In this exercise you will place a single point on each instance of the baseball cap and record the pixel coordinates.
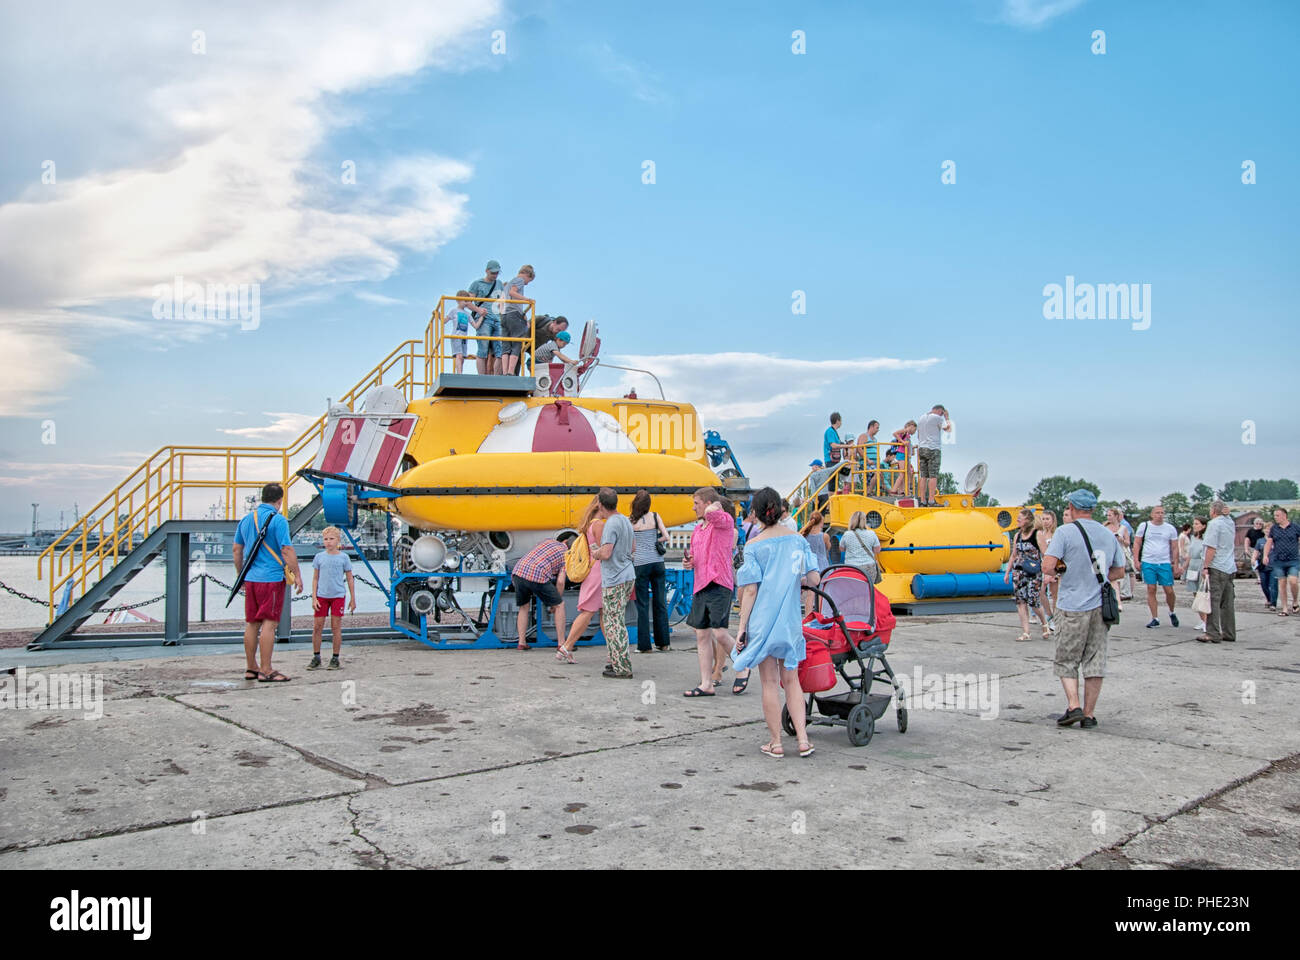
(816, 463)
(493, 267)
(563, 336)
(1081, 498)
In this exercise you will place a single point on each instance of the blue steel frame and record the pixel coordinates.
(334, 495)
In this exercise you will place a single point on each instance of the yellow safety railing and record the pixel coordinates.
(864, 469)
(154, 492)
(442, 315)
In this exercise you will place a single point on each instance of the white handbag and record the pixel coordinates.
(1201, 600)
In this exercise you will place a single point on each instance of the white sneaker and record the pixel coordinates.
(1200, 625)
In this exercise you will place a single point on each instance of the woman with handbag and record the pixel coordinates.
(651, 543)
(1047, 523)
(1195, 554)
(1027, 568)
(1115, 524)
(590, 594)
(861, 546)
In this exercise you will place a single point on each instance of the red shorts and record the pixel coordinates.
(329, 607)
(262, 601)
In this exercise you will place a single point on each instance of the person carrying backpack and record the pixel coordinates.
(1090, 557)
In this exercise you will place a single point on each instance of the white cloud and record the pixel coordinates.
(283, 426)
(1035, 13)
(224, 183)
(378, 298)
(730, 387)
(642, 82)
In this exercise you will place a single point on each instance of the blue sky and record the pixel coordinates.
(774, 173)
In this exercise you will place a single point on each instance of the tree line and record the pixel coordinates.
(1179, 507)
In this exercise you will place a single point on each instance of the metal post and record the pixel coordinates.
(178, 587)
(203, 599)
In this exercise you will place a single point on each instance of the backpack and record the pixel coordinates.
(577, 560)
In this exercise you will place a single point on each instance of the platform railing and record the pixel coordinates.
(867, 473)
(155, 491)
(444, 362)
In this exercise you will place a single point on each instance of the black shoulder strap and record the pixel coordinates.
(1091, 558)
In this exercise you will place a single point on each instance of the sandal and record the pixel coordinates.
(1022, 638)
(806, 749)
(275, 676)
(251, 674)
(738, 686)
(564, 655)
(1047, 634)
(773, 750)
(699, 692)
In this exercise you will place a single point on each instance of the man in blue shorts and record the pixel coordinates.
(1156, 546)
(1282, 553)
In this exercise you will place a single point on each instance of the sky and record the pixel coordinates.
(799, 152)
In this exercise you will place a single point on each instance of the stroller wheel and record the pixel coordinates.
(902, 719)
(861, 725)
(786, 723)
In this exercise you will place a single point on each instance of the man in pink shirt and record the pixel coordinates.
(712, 545)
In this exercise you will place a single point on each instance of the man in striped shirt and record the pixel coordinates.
(540, 574)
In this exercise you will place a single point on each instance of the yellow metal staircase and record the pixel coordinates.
(155, 492)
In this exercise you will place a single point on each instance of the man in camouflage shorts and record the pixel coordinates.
(1081, 631)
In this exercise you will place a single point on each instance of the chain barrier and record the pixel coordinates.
(162, 596)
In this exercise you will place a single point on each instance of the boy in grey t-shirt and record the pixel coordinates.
(332, 576)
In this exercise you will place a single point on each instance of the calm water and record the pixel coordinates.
(20, 573)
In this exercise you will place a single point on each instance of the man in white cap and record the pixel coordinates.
(1082, 546)
(485, 292)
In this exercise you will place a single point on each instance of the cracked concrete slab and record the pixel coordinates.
(144, 762)
(559, 766)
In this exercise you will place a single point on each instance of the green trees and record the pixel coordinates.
(1259, 490)
(1051, 491)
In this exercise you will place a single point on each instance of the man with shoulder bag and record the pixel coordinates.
(1086, 603)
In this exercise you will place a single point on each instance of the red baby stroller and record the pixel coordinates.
(847, 632)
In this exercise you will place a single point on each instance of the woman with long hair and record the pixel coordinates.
(590, 598)
(902, 458)
(651, 591)
(1195, 554)
(1027, 568)
(1115, 524)
(777, 564)
(1047, 523)
(861, 546)
(818, 540)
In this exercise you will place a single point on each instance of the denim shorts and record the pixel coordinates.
(456, 347)
(1285, 568)
(490, 327)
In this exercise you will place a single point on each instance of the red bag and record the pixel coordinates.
(816, 672)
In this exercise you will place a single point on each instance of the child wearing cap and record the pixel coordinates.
(549, 352)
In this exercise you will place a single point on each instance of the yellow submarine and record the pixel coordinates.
(947, 557)
(487, 465)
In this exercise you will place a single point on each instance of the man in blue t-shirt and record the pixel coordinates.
(832, 448)
(264, 584)
(1081, 632)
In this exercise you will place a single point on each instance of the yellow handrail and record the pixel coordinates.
(153, 492)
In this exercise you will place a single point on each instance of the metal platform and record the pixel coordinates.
(172, 540)
(481, 385)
